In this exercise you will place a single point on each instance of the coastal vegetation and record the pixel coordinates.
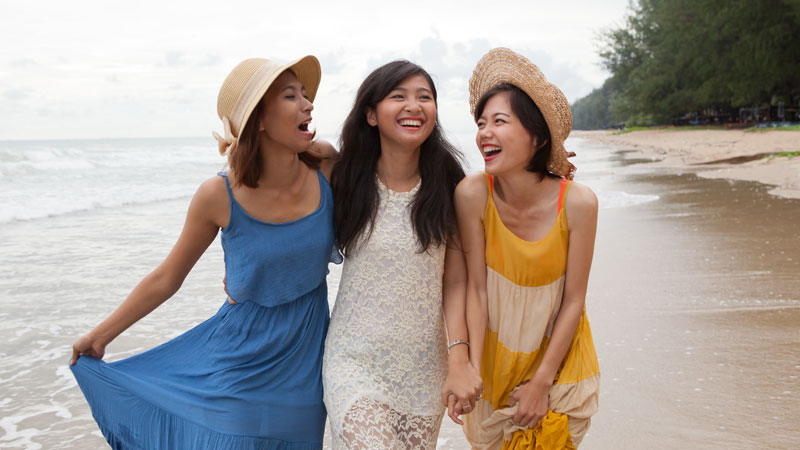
(689, 62)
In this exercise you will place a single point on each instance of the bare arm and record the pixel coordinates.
(326, 153)
(206, 214)
(470, 200)
(581, 209)
(463, 381)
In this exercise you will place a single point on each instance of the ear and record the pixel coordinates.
(372, 117)
(539, 147)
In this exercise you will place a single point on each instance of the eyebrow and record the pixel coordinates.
(497, 114)
(399, 88)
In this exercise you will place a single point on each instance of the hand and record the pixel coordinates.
(464, 385)
(533, 398)
(87, 345)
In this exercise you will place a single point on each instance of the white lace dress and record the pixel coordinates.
(385, 355)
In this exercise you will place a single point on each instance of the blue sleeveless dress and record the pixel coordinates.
(248, 378)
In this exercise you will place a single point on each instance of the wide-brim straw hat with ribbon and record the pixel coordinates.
(247, 83)
(501, 66)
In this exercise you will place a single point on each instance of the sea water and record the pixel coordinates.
(81, 222)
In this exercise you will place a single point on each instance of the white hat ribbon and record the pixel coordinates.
(229, 143)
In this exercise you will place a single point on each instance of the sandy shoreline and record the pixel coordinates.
(728, 154)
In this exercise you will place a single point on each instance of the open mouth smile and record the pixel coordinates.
(410, 123)
(490, 152)
(304, 128)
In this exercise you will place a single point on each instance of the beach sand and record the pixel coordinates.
(729, 154)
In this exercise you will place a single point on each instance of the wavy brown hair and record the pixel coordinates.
(354, 178)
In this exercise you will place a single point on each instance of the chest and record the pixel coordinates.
(529, 224)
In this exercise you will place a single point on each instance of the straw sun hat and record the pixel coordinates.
(501, 66)
(246, 85)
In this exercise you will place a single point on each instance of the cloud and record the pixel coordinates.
(174, 58)
(17, 94)
(210, 60)
(24, 62)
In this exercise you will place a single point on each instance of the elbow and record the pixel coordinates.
(163, 283)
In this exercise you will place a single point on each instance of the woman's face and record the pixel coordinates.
(286, 115)
(407, 115)
(502, 139)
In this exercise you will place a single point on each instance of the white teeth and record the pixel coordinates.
(411, 123)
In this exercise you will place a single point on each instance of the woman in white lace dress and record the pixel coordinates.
(386, 368)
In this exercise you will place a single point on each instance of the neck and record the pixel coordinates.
(280, 167)
(398, 168)
(520, 188)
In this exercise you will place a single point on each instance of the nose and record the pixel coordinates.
(485, 132)
(412, 105)
(308, 106)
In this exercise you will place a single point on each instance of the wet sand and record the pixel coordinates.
(695, 309)
(749, 155)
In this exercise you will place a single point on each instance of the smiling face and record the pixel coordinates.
(407, 115)
(506, 145)
(286, 115)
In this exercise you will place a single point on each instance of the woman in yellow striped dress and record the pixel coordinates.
(528, 236)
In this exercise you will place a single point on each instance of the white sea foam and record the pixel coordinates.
(47, 179)
(608, 199)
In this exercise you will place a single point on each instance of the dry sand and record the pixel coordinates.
(729, 154)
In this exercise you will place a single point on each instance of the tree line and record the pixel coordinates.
(671, 58)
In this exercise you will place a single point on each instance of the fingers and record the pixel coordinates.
(512, 399)
(75, 355)
(451, 409)
(467, 403)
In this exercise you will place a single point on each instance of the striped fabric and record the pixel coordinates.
(525, 284)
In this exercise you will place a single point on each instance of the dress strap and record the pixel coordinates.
(564, 183)
(224, 175)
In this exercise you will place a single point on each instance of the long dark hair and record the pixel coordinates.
(354, 182)
(531, 119)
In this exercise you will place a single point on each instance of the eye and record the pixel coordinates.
(290, 96)
(425, 97)
(480, 124)
(498, 120)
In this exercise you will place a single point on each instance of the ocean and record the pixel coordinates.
(82, 222)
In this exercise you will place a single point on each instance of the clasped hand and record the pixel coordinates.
(462, 389)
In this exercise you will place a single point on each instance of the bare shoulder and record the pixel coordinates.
(472, 187)
(581, 202)
(212, 189)
(211, 202)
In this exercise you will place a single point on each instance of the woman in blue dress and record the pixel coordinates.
(248, 377)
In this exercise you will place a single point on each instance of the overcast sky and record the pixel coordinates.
(104, 69)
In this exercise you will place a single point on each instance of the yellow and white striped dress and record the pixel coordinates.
(525, 283)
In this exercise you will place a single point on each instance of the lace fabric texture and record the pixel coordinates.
(385, 355)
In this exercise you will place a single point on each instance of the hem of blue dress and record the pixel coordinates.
(157, 429)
